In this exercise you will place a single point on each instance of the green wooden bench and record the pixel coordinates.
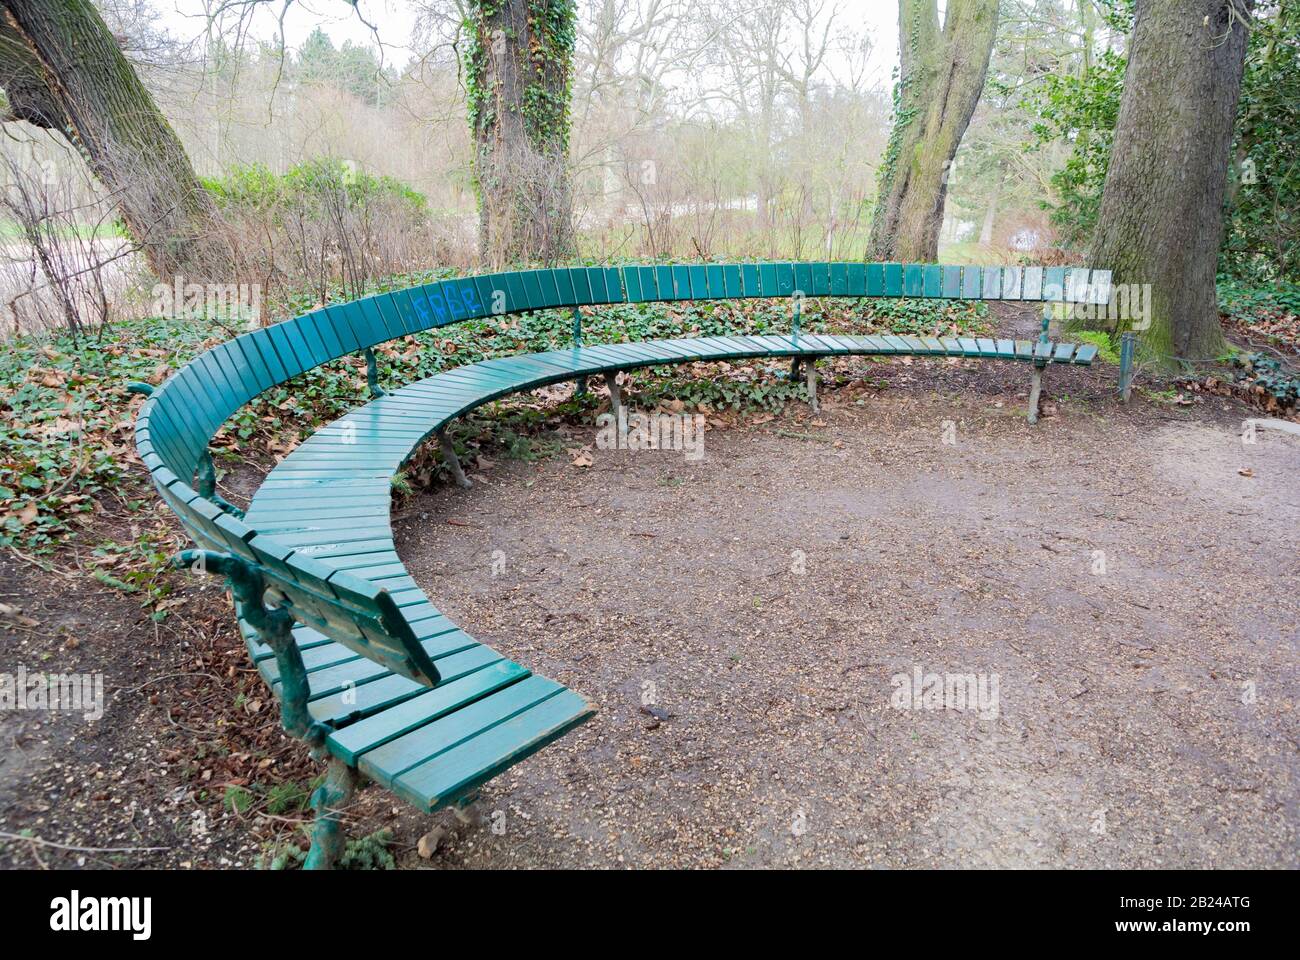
(367, 670)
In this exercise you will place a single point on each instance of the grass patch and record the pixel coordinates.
(1106, 349)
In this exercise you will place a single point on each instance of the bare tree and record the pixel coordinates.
(941, 76)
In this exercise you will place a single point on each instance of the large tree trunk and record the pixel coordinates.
(941, 77)
(61, 69)
(519, 71)
(1161, 215)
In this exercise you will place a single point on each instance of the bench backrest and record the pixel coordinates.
(177, 422)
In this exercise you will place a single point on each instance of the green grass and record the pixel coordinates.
(1106, 350)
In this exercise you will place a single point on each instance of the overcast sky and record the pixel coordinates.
(395, 20)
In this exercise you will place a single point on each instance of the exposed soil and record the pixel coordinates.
(1128, 574)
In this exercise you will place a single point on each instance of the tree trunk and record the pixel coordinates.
(941, 77)
(519, 71)
(991, 212)
(1161, 215)
(62, 69)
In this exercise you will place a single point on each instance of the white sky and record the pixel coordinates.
(395, 20)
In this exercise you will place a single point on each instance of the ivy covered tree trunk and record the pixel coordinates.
(1161, 215)
(940, 79)
(61, 69)
(519, 71)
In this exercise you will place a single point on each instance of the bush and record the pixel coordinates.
(322, 226)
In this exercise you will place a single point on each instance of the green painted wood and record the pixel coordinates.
(459, 770)
(664, 283)
(699, 283)
(859, 282)
(1012, 283)
(606, 284)
(550, 289)
(913, 280)
(784, 279)
(533, 289)
(803, 279)
(1054, 284)
(839, 279)
(951, 282)
(421, 710)
(932, 281)
(1085, 354)
(733, 285)
(1033, 284)
(387, 761)
(893, 275)
(632, 281)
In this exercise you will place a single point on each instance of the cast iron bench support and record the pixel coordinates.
(451, 460)
(577, 342)
(372, 374)
(615, 397)
(1036, 380)
(274, 626)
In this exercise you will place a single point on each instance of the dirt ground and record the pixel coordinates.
(1127, 577)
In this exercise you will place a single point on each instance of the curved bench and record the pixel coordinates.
(366, 669)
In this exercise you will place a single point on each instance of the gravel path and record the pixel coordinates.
(1126, 578)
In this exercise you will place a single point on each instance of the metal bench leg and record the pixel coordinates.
(812, 386)
(372, 375)
(1036, 384)
(451, 460)
(1128, 344)
(1035, 388)
(580, 388)
(615, 397)
(794, 368)
(327, 839)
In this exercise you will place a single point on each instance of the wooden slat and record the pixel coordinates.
(457, 771)
(369, 734)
